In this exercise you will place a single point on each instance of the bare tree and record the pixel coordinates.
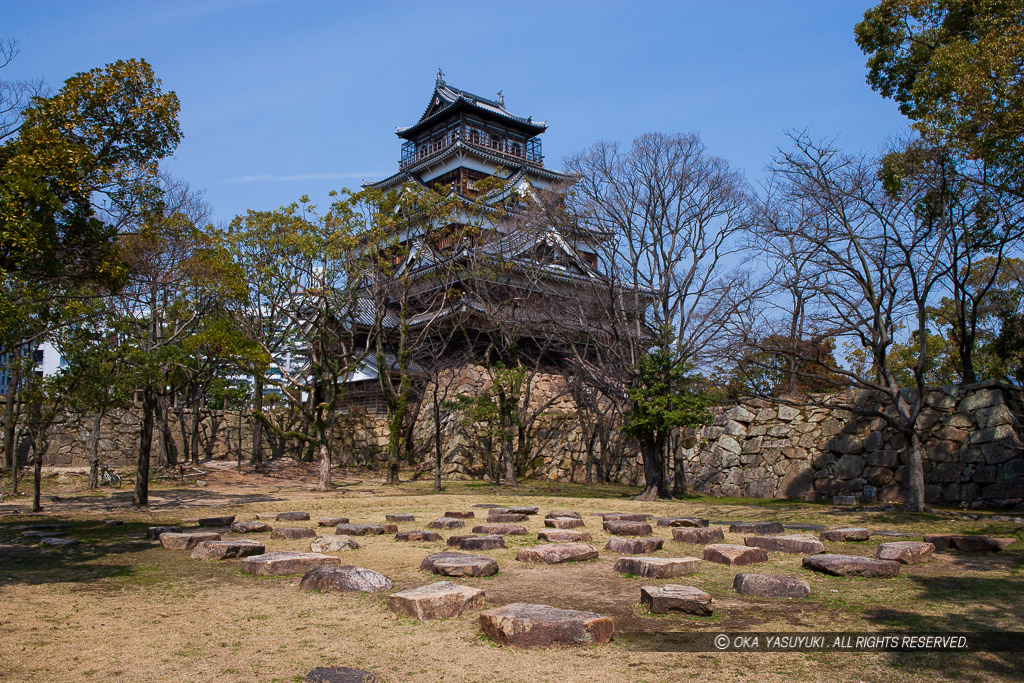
(666, 216)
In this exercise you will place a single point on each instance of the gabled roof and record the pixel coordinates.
(448, 99)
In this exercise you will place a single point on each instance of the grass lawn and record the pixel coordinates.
(119, 607)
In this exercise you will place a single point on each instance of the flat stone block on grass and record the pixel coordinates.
(42, 534)
(523, 624)
(967, 544)
(251, 527)
(562, 513)
(477, 542)
(459, 514)
(506, 517)
(361, 529)
(624, 516)
(657, 567)
(292, 533)
(333, 544)
(225, 550)
(280, 563)
(418, 536)
(693, 522)
(759, 528)
(459, 564)
(564, 536)
(344, 579)
(732, 555)
(623, 528)
(59, 542)
(634, 546)
(446, 523)
(845, 534)
(698, 536)
(564, 523)
(339, 674)
(188, 540)
(852, 565)
(217, 521)
(771, 586)
(441, 600)
(518, 510)
(671, 598)
(500, 529)
(331, 521)
(905, 552)
(556, 553)
(153, 532)
(397, 517)
(293, 516)
(797, 544)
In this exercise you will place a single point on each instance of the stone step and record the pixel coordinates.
(760, 528)
(459, 564)
(338, 674)
(797, 544)
(59, 542)
(418, 536)
(460, 514)
(446, 523)
(657, 567)
(477, 542)
(731, 555)
(673, 598)
(852, 565)
(397, 517)
(682, 521)
(523, 624)
(500, 529)
(626, 528)
(292, 516)
(519, 510)
(771, 586)
(905, 552)
(186, 540)
(286, 562)
(555, 514)
(564, 536)
(291, 533)
(845, 534)
(251, 527)
(216, 521)
(624, 516)
(634, 546)
(441, 600)
(345, 578)
(332, 543)
(564, 523)
(967, 544)
(153, 532)
(225, 550)
(506, 517)
(699, 536)
(557, 553)
(365, 529)
(331, 521)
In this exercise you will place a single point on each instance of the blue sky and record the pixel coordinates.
(280, 99)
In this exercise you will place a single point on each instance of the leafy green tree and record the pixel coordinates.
(664, 397)
(954, 67)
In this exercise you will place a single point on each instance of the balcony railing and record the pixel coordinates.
(516, 147)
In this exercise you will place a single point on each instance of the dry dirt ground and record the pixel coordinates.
(119, 607)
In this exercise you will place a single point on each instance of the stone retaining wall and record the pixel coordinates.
(973, 445)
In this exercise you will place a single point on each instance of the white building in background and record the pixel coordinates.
(46, 360)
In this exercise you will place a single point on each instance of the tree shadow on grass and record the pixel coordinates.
(101, 553)
(994, 603)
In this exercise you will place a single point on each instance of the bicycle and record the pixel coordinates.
(108, 476)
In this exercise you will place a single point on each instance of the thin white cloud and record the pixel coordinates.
(268, 178)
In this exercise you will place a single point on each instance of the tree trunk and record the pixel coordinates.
(395, 442)
(94, 455)
(257, 425)
(915, 473)
(655, 485)
(508, 455)
(140, 497)
(11, 418)
(38, 446)
(197, 402)
(324, 483)
(162, 457)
